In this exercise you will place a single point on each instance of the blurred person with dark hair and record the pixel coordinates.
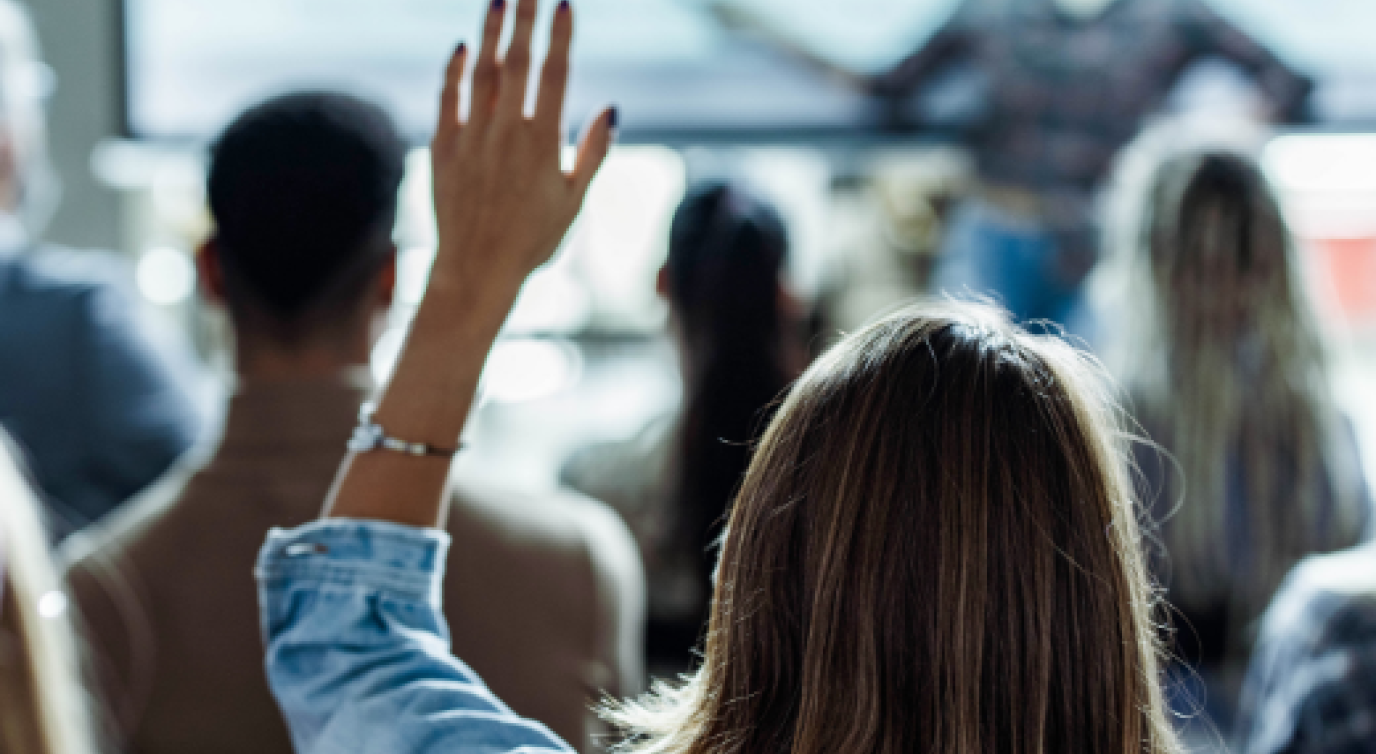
(1225, 364)
(98, 397)
(1062, 86)
(732, 319)
(304, 193)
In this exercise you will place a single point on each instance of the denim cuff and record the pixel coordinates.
(403, 562)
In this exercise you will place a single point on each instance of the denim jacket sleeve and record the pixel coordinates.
(358, 648)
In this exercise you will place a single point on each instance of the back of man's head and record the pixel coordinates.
(303, 189)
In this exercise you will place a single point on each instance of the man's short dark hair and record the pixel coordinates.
(303, 189)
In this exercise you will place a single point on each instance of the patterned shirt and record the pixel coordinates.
(1311, 688)
(1064, 95)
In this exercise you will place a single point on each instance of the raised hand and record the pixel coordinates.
(502, 199)
(503, 204)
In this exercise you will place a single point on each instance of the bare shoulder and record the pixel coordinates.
(112, 599)
(559, 523)
(574, 560)
(1326, 601)
(1350, 572)
(103, 570)
(572, 540)
(116, 538)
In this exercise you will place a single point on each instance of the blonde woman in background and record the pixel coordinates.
(43, 706)
(1222, 357)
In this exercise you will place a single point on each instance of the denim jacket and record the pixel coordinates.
(358, 648)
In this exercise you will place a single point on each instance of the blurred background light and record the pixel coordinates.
(166, 276)
(52, 605)
(387, 350)
(1329, 163)
(413, 271)
(552, 301)
(524, 370)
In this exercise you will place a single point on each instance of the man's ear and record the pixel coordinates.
(387, 280)
(210, 272)
(662, 282)
(789, 303)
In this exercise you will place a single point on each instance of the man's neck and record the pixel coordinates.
(1084, 10)
(275, 364)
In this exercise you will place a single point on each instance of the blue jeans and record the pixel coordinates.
(1014, 260)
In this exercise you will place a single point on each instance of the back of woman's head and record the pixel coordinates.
(1218, 248)
(934, 550)
(42, 699)
(727, 252)
(1228, 374)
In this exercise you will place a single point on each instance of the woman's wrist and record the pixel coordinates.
(476, 286)
(431, 391)
(427, 401)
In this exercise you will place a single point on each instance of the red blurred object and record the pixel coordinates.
(1349, 265)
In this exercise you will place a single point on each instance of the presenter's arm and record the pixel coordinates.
(1209, 34)
(950, 42)
(737, 16)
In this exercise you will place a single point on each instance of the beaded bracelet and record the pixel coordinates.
(370, 436)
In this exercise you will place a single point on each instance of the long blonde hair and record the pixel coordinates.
(935, 549)
(1227, 370)
(43, 707)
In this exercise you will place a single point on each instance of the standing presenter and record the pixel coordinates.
(1063, 85)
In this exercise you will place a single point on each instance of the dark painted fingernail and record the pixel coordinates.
(614, 117)
(498, 5)
(463, 46)
(565, 6)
